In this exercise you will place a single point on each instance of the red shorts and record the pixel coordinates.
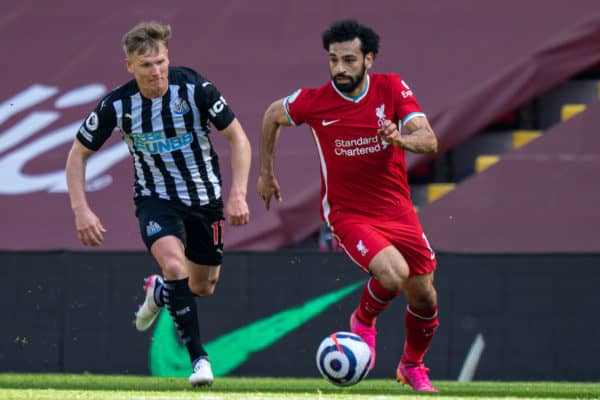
(363, 239)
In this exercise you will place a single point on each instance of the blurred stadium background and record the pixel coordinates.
(510, 203)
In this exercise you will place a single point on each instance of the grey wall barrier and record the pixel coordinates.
(72, 312)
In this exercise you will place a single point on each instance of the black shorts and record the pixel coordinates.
(200, 229)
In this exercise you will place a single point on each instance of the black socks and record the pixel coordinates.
(181, 304)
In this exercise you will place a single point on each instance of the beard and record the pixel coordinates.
(353, 82)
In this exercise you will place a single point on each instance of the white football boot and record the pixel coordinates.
(147, 312)
(202, 375)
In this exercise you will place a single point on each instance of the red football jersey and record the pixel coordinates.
(361, 174)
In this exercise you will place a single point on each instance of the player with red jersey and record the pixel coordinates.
(355, 121)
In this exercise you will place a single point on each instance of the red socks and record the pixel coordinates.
(420, 328)
(420, 324)
(375, 298)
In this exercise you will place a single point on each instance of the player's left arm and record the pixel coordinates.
(236, 209)
(420, 137)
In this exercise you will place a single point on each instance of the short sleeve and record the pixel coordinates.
(214, 105)
(406, 104)
(295, 108)
(98, 126)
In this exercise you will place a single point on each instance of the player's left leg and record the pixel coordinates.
(203, 278)
(421, 316)
(150, 308)
(204, 255)
(421, 322)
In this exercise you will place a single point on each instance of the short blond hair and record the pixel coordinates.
(146, 36)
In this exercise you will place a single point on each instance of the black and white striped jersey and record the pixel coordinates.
(167, 137)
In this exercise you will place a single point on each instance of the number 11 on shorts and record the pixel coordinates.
(218, 228)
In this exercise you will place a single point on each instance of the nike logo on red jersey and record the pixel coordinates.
(326, 123)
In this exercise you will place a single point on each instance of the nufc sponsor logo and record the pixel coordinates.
(157, 142)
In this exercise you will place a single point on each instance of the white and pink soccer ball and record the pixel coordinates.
(343, 358)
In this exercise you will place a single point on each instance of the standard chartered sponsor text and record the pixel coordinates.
(357, 147)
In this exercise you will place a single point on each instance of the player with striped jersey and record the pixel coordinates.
(164, 115)
(355, 120)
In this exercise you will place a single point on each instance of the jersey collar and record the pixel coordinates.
(357, 98)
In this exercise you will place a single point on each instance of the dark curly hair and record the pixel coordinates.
(349, 29)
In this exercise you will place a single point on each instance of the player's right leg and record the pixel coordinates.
(157, 219)
(374, 300)
(181, 304)
(202, 374)
(163, 232)
(373, 253)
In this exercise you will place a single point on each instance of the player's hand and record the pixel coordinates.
(267, 188)
(390, 133)
(89, 228)
(236, 210)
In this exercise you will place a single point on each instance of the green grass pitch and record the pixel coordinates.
(93, 387)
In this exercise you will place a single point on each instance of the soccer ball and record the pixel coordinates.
(343, 358)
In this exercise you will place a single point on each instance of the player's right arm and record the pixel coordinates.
(92, 134)
(89, 228)
(275, 117)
